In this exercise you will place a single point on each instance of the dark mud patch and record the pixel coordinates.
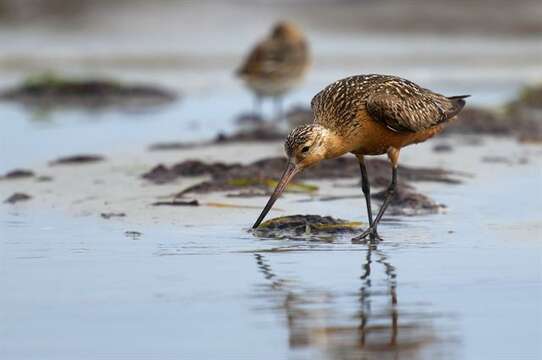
(443, 148)
(44, 178)
(17, 197)
(176, 203)
(249, 119)
(77, 159)
(17, 174)
(162, 174)
(306, 227)
(49, 91)
(260, 133)
(408, 202)
(271, 168)
(495, 159)
(480, 121)
(260, 177)
(299, 115)
(110, 215)
(172, 145)
(521, 118)
(529, 97)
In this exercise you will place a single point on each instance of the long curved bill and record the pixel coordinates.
(287, 176)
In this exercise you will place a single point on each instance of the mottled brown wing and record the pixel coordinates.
(273, 58)
(411, 110)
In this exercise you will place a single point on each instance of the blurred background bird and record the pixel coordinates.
(276, 65)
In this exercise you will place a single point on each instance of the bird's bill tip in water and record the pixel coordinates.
(287, 176)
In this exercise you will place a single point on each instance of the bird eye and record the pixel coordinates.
(305, 149)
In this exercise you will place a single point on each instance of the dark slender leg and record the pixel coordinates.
(366, 189)
(389, 196)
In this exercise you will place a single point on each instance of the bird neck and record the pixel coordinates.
(335, 145)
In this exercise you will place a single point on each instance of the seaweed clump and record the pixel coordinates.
(306, 227)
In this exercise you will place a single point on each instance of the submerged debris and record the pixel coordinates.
(17, 174)
(305, 227)
(77, 159)
(44, 178)
(171, 145)
(250, 193)
(110, 215)
(17, 197)
(408, 202)
(176, 203)
(134, 235)
(52, 91)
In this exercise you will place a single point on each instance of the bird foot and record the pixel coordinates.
(370, 235)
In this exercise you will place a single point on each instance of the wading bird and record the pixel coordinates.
(276, 65)
(366, 115)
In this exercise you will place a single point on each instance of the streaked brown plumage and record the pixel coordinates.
(276, 64)
(366, 115)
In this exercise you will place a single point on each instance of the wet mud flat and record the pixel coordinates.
(425, 291)
(151, 239)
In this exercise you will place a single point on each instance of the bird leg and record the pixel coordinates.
(390, 192)
(393, 155)
(366, 188)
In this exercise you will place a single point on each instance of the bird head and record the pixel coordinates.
(286, 30)
(305, 146)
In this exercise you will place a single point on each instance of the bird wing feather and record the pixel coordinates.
(271, 58)
(400, 111)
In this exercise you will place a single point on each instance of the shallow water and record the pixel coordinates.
(465, 284)
(460, 285)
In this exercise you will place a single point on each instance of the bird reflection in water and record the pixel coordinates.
(321, 320)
